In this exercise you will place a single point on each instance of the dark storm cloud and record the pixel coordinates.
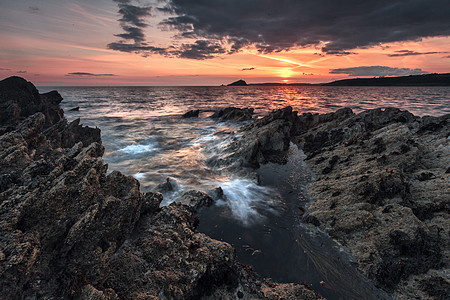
(132, 14)
(280, 25)
(142, 48)
(201, 49)
(132, 33)
(340, 52)
(337, 27)
(132, 20)
(377, 71)
(89, 74)
(412, 53)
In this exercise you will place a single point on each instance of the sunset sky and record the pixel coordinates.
(210, 42)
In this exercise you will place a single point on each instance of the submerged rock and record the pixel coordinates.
(191, 114)
(216, 193)
(168, 186)
(70, 230)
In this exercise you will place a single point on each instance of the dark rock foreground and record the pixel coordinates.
(381, 188)
(70, 230)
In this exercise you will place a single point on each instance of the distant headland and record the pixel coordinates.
(434, 79)
(238, 83)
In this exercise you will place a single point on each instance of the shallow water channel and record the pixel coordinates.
(280, 246)
(145, 136)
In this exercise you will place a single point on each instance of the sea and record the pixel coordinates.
(146, 137)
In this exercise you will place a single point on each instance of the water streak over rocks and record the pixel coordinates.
(381, 188)
(69, 230)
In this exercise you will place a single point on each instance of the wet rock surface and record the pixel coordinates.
(262, 141)
(191, 114)
(68, 229)
(233, 114)
(381, 189)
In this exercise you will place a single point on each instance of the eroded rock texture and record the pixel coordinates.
(68, 229)
(381, 189)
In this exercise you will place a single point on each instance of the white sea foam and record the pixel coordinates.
(139, 148)
(249, 202)
(139, 175)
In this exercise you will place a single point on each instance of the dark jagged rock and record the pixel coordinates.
(66, 135)
(19, 99)
(70, 230)
(165, 187)
(191, 114)
(381, 190)
(435, 287)
(240, 82)
(216, 193)
(233, 114)
(196, 199)
(391, 211)
(265, 140)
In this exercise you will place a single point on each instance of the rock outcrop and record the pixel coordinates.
(68, 229)
(264, 140)
(20, 99)
(381, 190)
(233, 114)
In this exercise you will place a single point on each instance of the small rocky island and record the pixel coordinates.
(240, 82)
(70, 229)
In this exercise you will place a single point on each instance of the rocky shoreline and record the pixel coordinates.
(381, 188)
(70, 230)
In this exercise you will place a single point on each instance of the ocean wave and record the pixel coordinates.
(249, 202)
(139, 148)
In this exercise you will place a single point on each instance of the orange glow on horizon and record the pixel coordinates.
(50, 42)
(51, 66)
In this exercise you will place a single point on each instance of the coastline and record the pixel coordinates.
(381, 188)
(69, 230)
(57, 201)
